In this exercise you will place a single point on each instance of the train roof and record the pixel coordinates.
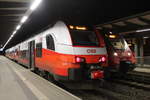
(59, 30)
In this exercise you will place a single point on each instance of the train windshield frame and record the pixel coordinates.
(84, 38)
(118, 43)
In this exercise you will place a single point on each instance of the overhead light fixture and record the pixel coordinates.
(18, 27)
(14, 32)
(144, 30)
(110, 32)
(24, 19)
(145, 37)
(1, 49)
(11, 36)
(35, 4)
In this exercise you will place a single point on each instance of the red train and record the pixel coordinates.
(64, 52)
(120, 57)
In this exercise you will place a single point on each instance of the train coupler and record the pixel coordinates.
(98, 74)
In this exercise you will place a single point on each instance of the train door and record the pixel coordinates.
(32, 54)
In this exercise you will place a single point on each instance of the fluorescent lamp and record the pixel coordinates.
(144, 30)
(1, 49)
(11, 35)
(18, 27)
(110, 32)
(24, 19)
(14, 32)
(35, 4)
(145, 37)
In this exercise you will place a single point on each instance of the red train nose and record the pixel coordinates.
(97, 74)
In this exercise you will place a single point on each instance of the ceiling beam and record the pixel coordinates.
(16, 8)
(127, 18)
(17, 1)
(14, 15)
(145, 20)
(108, 26)
(10, 21)
(147, 17)
(137, 21)
(121, 23)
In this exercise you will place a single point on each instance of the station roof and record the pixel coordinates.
(11, 12)
(139, 23)
(76, 12)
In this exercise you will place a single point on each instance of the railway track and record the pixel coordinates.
(114, 90)
(138, 77)
(129, 90)
(99, 94)
(135, 79)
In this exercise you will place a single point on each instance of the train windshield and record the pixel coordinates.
(118, 43)
(84, 38)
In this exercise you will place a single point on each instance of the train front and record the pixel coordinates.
(120, 55)
(89, 52)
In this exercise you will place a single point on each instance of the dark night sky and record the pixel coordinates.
(85, 12)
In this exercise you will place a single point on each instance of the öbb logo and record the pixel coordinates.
(91, 50)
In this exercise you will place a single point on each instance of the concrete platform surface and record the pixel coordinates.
(141, 69)
(18, 83)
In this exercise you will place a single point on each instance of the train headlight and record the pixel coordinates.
(115, 54)
(102, 59)
(129, 54)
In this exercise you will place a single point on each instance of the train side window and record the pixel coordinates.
(50, 42)
(39, 50)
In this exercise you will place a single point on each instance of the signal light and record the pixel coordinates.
(102, 59)
(79, 59)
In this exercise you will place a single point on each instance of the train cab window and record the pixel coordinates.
(39, 50)
(50, 42)
(84, 38)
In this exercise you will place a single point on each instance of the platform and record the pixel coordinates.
(142, 69)
(18, 83)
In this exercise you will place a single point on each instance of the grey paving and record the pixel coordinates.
(18, 83)
(11, 87)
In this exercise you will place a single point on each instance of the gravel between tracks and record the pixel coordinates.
(113, 91)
